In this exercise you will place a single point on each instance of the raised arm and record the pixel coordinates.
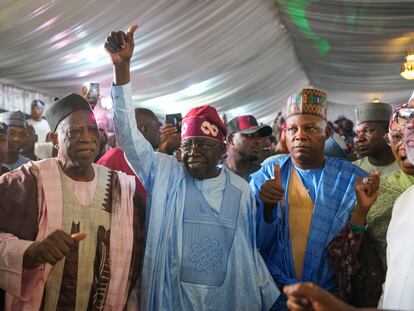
(138, 150)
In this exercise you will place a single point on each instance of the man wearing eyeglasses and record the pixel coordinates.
(372, 124)
(399, 283)
(362, 275)
(200, 249)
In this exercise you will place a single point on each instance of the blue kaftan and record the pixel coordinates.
(334, 199)
(196, 257)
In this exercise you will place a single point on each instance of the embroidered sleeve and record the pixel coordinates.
(358, 267)
(343, 253)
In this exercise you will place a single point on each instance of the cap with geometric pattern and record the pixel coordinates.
(203, 121)
(308, 101)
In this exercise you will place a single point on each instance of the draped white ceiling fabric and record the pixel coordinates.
(242, 56)
(352, 49)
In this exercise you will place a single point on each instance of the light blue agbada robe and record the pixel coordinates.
(334, 198)
(195, 258)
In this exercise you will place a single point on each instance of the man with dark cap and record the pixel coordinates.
(3, 147)
(372, 126)
(304, 199)
(200, 249)
(48, 207)
(244, 146)
(16, 123)
(39, 124)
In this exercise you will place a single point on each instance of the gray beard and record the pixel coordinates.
(410, 154)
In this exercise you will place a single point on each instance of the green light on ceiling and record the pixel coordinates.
(296, 9)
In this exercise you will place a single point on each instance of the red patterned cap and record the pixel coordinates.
(203, 121)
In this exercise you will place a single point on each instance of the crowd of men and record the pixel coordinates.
(210, 215)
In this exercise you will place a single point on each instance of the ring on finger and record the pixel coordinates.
(365, 180)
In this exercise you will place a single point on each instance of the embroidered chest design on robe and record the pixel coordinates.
(81, 280)
(208, 255)
(208, 237)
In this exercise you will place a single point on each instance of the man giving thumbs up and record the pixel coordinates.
(304, 199)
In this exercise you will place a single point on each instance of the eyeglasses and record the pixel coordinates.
(406, 113)
(199, 146)
(394, 137)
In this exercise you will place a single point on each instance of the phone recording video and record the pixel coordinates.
(174, 119)
(93, 93)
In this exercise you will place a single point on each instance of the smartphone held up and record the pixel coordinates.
(174, 119)
(93, 93)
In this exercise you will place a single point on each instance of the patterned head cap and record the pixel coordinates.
(395, 114)
(203, 121)
(308, 101)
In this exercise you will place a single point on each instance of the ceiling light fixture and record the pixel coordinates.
(407, 70)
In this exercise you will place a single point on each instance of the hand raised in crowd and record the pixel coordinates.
(366, 190)
(170, 139)
(271, 192)
(52, 249)
(120, 47)
(308, 296)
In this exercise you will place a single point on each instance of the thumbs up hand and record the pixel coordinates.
(52, 249)
(272, 191)
(120, 45)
